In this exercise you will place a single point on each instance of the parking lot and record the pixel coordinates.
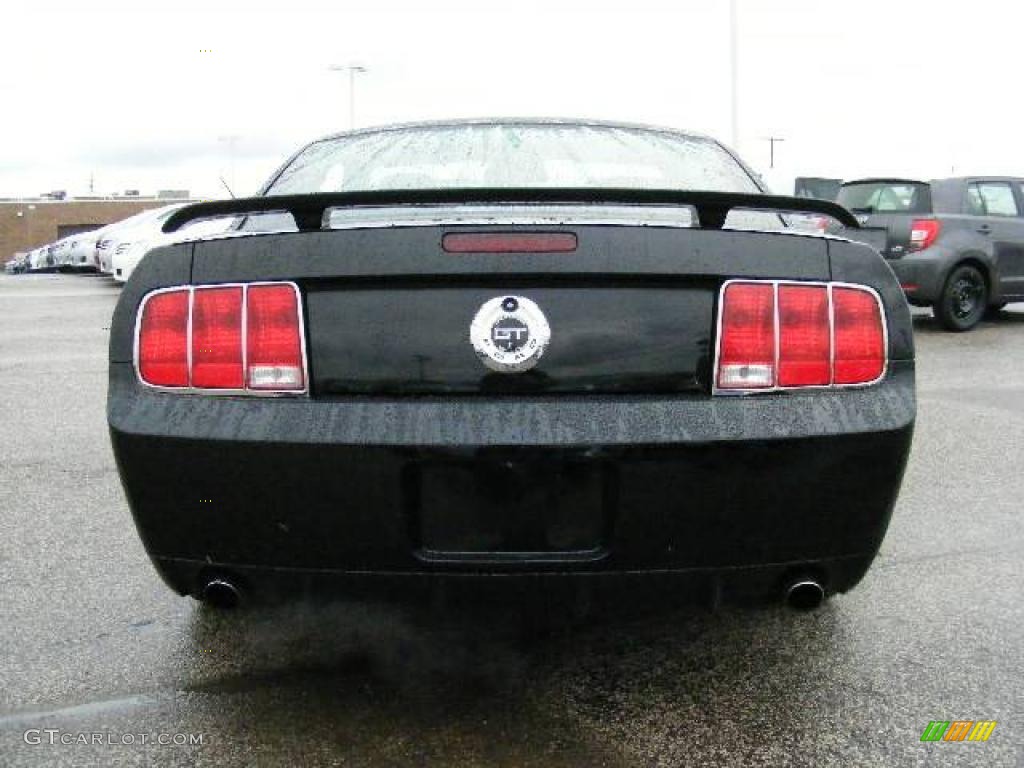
(93, 642)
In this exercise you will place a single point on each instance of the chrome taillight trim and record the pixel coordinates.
(244, 391)
(776, 388)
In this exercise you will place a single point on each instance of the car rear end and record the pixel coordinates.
(515, 385)
(904, 210)
(733, 407)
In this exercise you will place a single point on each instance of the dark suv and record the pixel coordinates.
(956, 245)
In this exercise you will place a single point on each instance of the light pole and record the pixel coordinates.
(353, 70)
(772, 141)
(734, 76)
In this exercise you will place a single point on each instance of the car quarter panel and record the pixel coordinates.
(858, 263)
(958, 242)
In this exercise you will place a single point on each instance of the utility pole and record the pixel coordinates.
(734, 76)
(772, 141)
(353, 70)
(231, 140)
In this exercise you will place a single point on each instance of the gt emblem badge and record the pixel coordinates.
(509, 334)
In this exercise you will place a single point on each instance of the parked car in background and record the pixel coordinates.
(17, 264)
(36, 259)
(97, 240)
(62, 253)
(140, 240)
(955, 244)
(82, 256)
(510, 348)
(101, 256)
(125, 230)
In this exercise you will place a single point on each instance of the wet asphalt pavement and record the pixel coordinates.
(92, 642)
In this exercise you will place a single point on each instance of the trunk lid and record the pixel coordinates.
(896, 228)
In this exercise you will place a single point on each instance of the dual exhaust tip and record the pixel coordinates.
(802, 594)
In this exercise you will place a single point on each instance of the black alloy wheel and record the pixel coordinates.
(964, 299)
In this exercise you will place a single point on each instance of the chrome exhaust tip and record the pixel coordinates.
(221, 594)
(804, 594)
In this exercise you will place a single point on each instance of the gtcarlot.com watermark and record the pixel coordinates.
(55, 736)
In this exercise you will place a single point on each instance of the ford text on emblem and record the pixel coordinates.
(509, 334)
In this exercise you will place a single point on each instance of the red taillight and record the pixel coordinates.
(273, 339)
(163, 340)
(820, 223)
(747, 357)
(803, 336)
(217, 338)
(859, 338)
(243, 337)
(509, 242)
(923, 233)
(790, 335)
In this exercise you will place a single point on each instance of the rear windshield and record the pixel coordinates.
(886, 197)
(512, 155)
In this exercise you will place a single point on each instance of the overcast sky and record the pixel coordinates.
(144, 99)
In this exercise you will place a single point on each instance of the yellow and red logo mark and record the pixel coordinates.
(958, 730)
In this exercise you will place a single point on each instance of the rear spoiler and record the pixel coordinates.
(308, 210)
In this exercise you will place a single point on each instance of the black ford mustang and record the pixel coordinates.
(559, 350)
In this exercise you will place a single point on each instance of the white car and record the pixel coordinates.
(149, 220)
(128, 253)
(36, 259)
(83, 249)
(17, 264)
(43, 258)
(62, 253)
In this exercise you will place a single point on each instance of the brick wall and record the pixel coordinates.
(37, 225)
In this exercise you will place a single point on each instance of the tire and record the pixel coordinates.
(963, 300)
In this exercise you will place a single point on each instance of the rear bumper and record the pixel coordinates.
(589, 486)
(921, 274)
(498, 592)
